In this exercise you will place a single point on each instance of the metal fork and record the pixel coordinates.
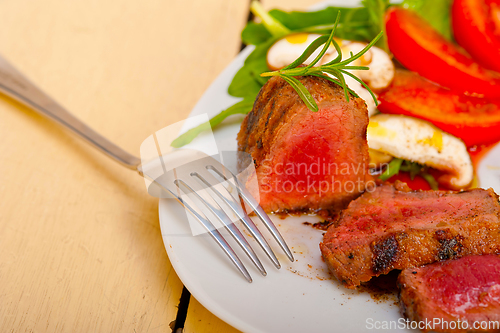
(192, 184)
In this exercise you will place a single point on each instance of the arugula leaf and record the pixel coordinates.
(255, 33)
(296, 20)
(436, 12)
(260, 50)
(309, 51)
(242, 107)
(430, 179)
(392, 169)
(247, 81)
(354, 24)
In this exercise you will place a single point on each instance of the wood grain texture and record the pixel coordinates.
(80, 244)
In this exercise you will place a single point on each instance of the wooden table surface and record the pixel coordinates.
(80, 243)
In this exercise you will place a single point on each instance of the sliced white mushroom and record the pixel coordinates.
(379, 75)
(419, 141)
(381, 72)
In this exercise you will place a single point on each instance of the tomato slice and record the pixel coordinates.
(417, 183)
(475, 27)
(475, 120)
(423, 50)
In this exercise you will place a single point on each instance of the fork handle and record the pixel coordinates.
(18, 87)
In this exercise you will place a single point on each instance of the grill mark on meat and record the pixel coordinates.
(259, 144)
(384, 253)
(451, 246)
(270, 113)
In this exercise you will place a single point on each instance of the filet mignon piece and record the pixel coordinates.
(394, 227)
(305, 160)
(444, 293)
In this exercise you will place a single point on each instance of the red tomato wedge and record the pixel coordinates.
(476, 26)
(423, 50)
(475, 120)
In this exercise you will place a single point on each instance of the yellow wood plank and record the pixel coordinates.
(80, 244)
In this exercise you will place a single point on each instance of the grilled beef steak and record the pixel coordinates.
(467, 289)
(305, 160)
(396, 228)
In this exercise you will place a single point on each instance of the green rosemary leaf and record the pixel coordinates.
(304, 94)
(338, 58)
(307, 53)
(329, 78)
(362, 83)
(299, 71)
(360, 53)
(335, 72)
(242, 107)
(392, 169)
(356, 68)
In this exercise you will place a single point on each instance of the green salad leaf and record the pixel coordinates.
(376, 10)
(414, 169)
(247, 81)
(354, 24)
(392, 169)
(255, 33)
(242, 107)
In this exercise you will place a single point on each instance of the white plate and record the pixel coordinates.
(300, 297)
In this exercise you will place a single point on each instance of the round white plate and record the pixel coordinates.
(300, 297)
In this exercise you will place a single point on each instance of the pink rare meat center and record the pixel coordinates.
(306, 163)
(472, 285)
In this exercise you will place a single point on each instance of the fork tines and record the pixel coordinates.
(218, 202)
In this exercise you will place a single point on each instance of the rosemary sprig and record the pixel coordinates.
(336, 68)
